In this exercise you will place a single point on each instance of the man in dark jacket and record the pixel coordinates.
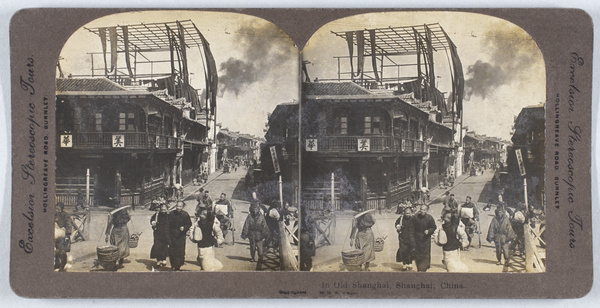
(424, 228)
(179, 224)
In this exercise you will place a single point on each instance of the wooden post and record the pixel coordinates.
(332, 200)
(529, 246)
(280, 193)
(287, 257)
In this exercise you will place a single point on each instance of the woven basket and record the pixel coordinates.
(133, 240)
(108, 253)
(378, 246)
(353, 257)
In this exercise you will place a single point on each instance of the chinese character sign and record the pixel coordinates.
(66, 141)
(520, 161)
(311, 145)
(118, 141)
(364, 144)
(275, 160)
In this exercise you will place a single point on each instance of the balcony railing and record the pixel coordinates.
(379, 144)
(117, 140)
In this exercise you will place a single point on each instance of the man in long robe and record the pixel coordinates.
(406, 239)
(162, 238)
(179, 224)
(424, 228)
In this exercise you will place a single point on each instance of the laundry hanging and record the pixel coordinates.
(350, 41)
(126, 43)
(102, 34)
(373, 55)
(112, 32)
(360, 53)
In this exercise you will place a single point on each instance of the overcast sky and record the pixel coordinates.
(257, 62)
(503, 67)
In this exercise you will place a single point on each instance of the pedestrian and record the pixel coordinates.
(450, 205)
(518, 224)
(211, 236)
(118, 233)
(160, 226)
(451, 236)
(362, 238)
(179, 224)
(204, 201)
(424, 228)
(469, 215)
(307, 251)
(63, 227)
(406, 239)
(273, 216)
(224, 213)
(501, 233)
(489, 205)
(80, 201)
(256, 231)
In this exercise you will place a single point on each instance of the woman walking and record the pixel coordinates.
(118, 233)
(162, 240)
(362, 237)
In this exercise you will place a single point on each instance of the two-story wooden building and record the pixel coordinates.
(381, 131)
(134, 127)
(374, 144)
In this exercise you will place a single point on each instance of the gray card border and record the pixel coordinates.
(41, 33)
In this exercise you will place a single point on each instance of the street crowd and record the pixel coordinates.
(417, 229)
(172, 227)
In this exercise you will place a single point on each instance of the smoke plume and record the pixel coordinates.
(264, 48)
(511, 53)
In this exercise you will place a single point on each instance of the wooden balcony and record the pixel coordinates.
(372, 144)
(117, 140)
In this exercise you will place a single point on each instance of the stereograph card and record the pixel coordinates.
(301, 153)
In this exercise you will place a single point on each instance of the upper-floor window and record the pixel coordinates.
(95, 122)
(127, 121)
(372, 126)
(341, 125)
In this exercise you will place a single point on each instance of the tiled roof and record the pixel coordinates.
(333, 88)
(86, 84)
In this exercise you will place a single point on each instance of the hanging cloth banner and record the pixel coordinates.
(212, 82)
(126, 42)
(360, 52)
(373, 56)
(350, 41)
(112, 32)
(102, 34)
(459, 78)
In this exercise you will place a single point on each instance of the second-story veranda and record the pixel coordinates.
(342, 119)
(98, 114)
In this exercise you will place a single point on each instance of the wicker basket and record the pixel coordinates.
(107, 254)
(134, 240)
(353, 257)
(378, 246)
